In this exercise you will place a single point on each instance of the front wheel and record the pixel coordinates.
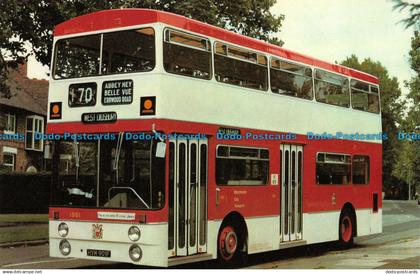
(346, 229)
(228, 246)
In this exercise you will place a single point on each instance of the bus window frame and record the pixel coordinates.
(267, 65)
(369, 92)
(369, 169)
(276, 58)
(264, 184)
(101, 35)
(341, 75)
(167, 39)
(350, 182)
(351, 168)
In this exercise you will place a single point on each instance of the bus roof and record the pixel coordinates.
(119, 18)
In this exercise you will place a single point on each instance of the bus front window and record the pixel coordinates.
(117, 52)
(75, 173)
(129, 174)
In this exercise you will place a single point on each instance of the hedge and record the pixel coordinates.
(24, 193)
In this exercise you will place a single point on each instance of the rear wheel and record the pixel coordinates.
(346, 229)
(229, 246)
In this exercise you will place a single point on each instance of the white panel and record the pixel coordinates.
(263, 234)
(213, 231)
(320, 227)
(376, 222)
(249, 108)
(363, 217)
(153, 241)
(151, 255)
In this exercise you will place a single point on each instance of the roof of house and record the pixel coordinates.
(119, 18)
(28, 94)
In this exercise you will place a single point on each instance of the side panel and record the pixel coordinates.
(263, 234)
(376, 222)
(363, 217)
(320, 227)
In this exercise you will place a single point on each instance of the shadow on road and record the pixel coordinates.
(252, 260)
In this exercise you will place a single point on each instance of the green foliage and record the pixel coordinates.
(414, 9)
(408, 165)
(391, 109)
(413, 117)
(32, 22)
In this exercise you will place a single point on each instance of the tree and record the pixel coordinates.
(408, 164)
(413, 117)
(31, 23)
(414, 10)
(391, 110)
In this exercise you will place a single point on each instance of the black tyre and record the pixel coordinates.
(346, 229)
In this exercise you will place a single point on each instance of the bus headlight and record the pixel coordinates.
(63, 229)
(65, 247)
(134, 233)
(135, 253)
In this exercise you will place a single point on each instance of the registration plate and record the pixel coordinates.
(98, 253)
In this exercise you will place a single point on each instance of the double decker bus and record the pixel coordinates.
(179, 142)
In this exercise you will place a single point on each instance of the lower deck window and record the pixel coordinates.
(242, 166)
(333, 169)
(360, 169)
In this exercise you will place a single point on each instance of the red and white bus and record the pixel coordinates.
(197, 143)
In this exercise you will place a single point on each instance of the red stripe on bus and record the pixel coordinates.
(91, 214)
(254, 201)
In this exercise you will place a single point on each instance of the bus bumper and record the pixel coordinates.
(110, 242)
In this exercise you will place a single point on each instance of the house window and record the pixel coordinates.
(9, 160)
(34, 127)
(10, 123)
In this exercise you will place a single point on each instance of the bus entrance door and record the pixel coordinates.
(291, 192)
(187, 197)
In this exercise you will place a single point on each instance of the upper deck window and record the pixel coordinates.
(291, 79)
(240, 67)
(331, 88)
(186, 54)
(128, 51)
(364, 96)
(77, 57)
(122, 52)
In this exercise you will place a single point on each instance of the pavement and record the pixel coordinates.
(398, 247)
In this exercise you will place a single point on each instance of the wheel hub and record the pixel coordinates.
(346, 229)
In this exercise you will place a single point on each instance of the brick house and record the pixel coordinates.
(21, 116)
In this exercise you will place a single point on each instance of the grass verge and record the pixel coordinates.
(23, 218)
(23, 233)
(23, 227)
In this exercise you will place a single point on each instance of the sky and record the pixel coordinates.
(332, 30)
